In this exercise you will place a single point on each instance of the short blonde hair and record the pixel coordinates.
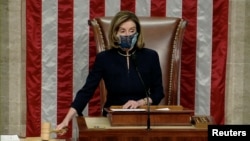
(118, 19)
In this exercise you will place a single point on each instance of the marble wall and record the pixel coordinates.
(12, 64)
(238, 64)
(12, 67)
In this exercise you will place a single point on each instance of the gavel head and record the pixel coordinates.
(45, 131)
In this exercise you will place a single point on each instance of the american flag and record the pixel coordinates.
(61, 50)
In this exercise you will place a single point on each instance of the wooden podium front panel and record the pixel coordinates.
(139, 134)
(156, 118)
(175, 115)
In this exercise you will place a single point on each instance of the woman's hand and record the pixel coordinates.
(62, 128)
(131, 104)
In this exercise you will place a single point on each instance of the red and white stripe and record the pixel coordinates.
(61, 50)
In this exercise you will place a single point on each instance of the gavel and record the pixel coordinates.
(46, 131)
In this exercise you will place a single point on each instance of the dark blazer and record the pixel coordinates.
(123, 83)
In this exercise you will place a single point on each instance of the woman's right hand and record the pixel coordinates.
(62, 128)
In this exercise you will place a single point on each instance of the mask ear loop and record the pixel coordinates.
(119, 39)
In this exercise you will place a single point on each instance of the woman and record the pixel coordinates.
(130, 71)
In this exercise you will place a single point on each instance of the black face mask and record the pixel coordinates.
(127, 42)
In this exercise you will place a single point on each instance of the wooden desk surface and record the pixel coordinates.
(39, 139)
(108, 133)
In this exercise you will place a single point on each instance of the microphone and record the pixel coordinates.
(146, 91)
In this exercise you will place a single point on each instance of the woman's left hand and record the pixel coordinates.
(131, 104)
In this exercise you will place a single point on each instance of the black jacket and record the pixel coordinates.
(123, 84)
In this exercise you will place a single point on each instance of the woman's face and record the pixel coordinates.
(127, 28)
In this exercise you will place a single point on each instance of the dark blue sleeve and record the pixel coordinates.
(87, 91)
(156, 88)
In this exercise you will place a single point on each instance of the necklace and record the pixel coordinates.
(126, 55)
